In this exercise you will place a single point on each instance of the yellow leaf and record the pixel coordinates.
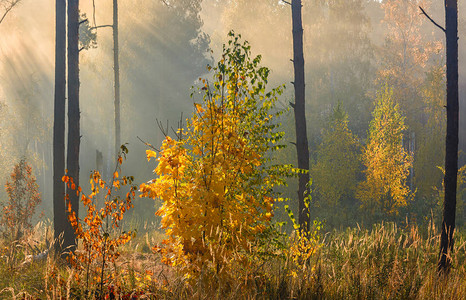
(199, 107)
(150, 154)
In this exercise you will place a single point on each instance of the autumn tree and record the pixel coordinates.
(336, 170)
(216, 179)
(405, 55)
(23, 198)
(384, 189)
(405, 59)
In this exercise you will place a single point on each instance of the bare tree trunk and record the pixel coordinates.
(300, 114)
(73, 109)
(451, 153)
(60, 222)
(116, 67)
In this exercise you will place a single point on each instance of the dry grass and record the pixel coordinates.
(385, 262)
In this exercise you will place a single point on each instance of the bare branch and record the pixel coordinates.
(8, 8)
(430, 19)
(101, 26)
(148, 145)
(286, 2)
(162, 129)
(83, 21)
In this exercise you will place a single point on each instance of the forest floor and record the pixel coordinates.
(385, 262)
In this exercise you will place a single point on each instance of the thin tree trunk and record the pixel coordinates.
(116, 67)
(60, 222)
(73, 109)
(300, 114)
(451, 153)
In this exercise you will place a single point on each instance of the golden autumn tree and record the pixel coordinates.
(216, 179)
(384, 190)
(406, 52)
(405, 59)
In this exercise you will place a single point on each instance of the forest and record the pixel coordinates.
(232, 149)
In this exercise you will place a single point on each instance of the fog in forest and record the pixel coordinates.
(165, 47)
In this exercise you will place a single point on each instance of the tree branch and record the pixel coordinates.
(8, 9)
(286, 2)
(101, 26)
(430, 19)
(148, 145)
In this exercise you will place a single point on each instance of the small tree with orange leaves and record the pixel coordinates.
(23, 198)
(217, 179)
(97, 230)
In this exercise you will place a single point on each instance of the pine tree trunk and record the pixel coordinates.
(300, 113)
(73, 109)
(116, 67)
(451, 153)
(60, 222)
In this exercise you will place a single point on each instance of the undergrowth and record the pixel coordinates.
(385, 262)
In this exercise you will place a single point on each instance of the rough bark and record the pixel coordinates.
(300, 113)
(451, 153)
(116, 67)
(73, 109)
(60, 223)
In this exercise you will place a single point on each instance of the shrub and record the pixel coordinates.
(216, 179)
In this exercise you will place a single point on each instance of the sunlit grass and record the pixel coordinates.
(385, 262)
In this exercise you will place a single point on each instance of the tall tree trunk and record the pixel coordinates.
(73, 109)
(300, 113)
(61, 225)
(116, 68)
(451, 153)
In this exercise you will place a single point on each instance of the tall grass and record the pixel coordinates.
(384, 262)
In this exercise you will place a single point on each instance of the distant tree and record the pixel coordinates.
(387, 164)
(405, 54)
(405, 60)
(23, 198)
(336, 171)
(61, 225)
(74, 136)
(430, 146)
(340, 60)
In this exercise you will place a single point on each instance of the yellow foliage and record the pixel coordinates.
(214, 183)
(387, 163)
